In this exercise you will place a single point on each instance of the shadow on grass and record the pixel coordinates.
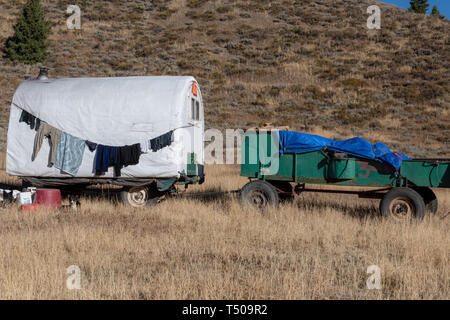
(358, 211)
(98, 194)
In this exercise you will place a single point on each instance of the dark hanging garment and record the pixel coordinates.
(25, 117)
(128, 156)
(29, 119)
(91, 145)
(162, 141)
(99, 160)
(106, 157)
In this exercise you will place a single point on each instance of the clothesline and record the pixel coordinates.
(67, 151)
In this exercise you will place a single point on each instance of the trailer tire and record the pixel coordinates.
(402, 204)
(429, 197)
(139, 196)
(260, 194)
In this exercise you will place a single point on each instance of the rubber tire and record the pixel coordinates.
(429, 197)
(412, 195)
(265, 189)
(150, 195)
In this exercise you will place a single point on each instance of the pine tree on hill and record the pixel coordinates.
(419, 6)
(29, 44)
(435, 11)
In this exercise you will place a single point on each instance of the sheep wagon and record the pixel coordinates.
(112, 112)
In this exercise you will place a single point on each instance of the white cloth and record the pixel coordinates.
(144, 146)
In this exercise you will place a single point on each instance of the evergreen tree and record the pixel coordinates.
(435, 11)
(29, 44)
(419, 6)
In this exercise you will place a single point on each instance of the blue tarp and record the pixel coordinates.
(297, 142)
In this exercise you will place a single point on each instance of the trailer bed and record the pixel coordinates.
(405, 190)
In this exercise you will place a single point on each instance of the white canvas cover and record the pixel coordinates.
(108, 111)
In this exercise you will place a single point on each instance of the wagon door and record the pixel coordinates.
(196, 121)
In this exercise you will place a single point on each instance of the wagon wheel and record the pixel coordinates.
(401, 208)
(139, 197)
(259, 194)
(402, 204)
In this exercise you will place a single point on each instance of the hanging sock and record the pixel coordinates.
(91, 145)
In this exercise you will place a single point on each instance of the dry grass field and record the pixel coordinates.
(317, 247)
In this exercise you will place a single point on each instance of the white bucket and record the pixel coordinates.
(25, 198)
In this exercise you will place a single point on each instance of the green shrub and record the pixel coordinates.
(29, 44)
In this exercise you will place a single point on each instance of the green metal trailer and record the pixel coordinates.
(405, 194)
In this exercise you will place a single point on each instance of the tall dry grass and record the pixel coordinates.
(318, 247)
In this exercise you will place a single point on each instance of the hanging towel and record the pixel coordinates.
(69, 154)
(162, 141)
(106, 157)
(45, 130)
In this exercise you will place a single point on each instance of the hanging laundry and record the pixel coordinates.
(145, 146)
(91, 145)
(162, 141)
(9, 195)
(45, 130)
(29, 119)
(128, 155)
(106, 157)
(69, 153)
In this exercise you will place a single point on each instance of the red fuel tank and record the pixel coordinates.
(48, 197)
(30, 207)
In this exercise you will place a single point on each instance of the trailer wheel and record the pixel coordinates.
(139, 197)
(429, 197)
(402, 204)
(259, 194)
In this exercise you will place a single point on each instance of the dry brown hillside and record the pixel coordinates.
(312, 65)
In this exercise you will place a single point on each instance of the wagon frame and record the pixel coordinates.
(405, 194)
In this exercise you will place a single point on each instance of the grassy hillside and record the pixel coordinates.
(312, 65)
